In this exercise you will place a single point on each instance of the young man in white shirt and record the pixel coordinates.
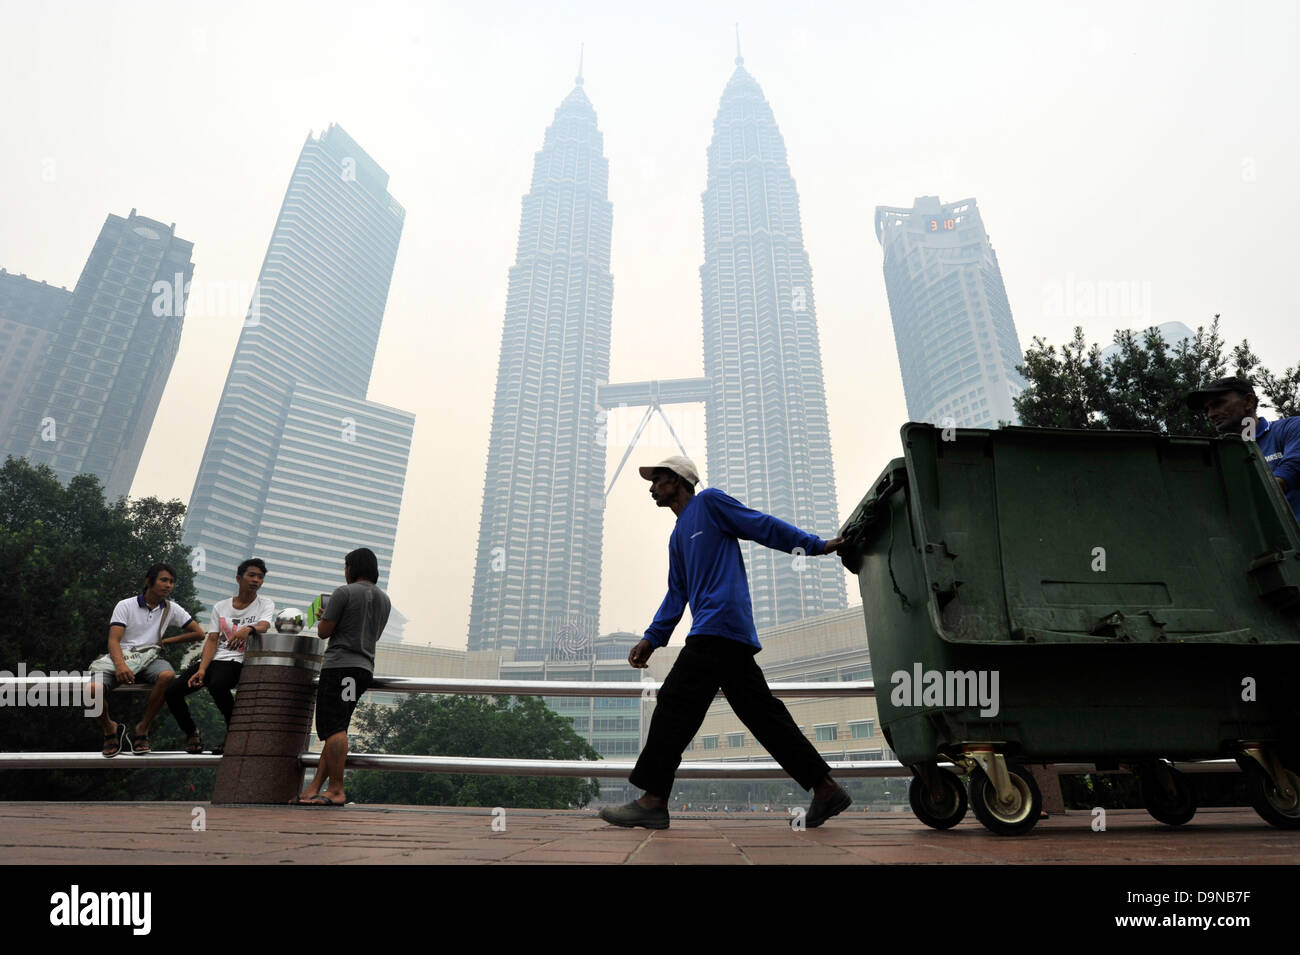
(134, 637)
(234, 620)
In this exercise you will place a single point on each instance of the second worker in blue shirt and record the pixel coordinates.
(705, 569)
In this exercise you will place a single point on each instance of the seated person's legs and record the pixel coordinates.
(160, 673)
(175, 695)
(223, 677)
(97, 695)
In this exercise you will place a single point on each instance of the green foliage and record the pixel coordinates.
(500, 727)
(1143, 385)
(67, 556)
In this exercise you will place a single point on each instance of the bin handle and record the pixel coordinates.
(889, 562)
(887, 487)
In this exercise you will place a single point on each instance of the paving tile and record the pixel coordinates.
(161, 833)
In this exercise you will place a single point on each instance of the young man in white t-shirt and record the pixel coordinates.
(134, 633)
(234, 620)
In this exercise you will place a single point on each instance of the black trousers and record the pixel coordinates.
(705, 665)
(221, 678)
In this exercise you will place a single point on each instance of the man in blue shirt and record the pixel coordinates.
(706, 570)
(1231, 405)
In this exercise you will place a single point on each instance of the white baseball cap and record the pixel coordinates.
(683, 467)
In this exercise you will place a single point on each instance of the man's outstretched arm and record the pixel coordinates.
(748, 524)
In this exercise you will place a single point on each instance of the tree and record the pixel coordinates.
(66, 557)
(1142, 386)
(500, 727)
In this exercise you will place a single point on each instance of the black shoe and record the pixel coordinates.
(634, 814)
(823, 809)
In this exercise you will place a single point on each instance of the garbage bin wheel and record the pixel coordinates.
(1172, 811)
(1014, 819)
(1267, 801)
(944, 812)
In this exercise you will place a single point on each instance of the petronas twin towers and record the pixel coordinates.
(537, 576)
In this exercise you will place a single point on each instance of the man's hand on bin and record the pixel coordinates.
(833, 545)
(639, 657)
(237, 642)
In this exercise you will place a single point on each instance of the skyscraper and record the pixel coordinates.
(30, 314)
(769, 440)
(109, 349)
(537, 570)
(299, 467)
(957, 343)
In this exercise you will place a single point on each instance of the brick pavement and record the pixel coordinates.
(161, 833)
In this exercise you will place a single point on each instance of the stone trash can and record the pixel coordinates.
(270, 727)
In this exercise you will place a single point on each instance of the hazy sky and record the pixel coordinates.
(1154, 145)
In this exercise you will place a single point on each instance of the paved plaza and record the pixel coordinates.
(163, 833)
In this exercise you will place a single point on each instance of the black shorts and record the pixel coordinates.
(336, 697)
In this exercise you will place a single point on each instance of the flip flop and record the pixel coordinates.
(139, 745)
(116, 740)
(319, 800)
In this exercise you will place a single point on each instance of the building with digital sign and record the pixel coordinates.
(300, 467)
(957, 343)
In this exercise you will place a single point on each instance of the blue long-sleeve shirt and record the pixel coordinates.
(705, 568)
(1280, 442)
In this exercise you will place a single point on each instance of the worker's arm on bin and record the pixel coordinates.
(748, 524)
(1287, 471)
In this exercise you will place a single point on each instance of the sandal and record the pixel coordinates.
(140, 745)
(114, 741)
(194, 744)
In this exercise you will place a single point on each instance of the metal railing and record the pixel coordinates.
(646, 688)
(689, 769)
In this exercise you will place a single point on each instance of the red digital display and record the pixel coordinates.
(934, 224)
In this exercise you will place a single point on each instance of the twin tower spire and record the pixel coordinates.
(538, 563)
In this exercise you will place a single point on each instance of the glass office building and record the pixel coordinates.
(30, 314)
(299, 467)
(91, 397)
(957, 343)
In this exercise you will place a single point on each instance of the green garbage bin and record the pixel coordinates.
(1041, 595)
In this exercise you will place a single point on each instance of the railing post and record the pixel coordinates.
(1049, 785)
(272, 719)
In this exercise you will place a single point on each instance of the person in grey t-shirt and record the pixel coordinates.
(352, 622)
